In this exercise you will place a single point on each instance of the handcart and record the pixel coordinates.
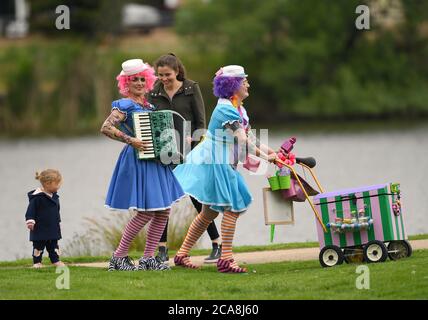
(362, 224)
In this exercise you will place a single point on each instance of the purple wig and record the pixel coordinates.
(225, 87)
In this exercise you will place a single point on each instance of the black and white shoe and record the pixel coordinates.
(122, 264)
(152, 264)
(214, 255)
(142, 264)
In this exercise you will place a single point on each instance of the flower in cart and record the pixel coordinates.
(291, 159)
(281, 157)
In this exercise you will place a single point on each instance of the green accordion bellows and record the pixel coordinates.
(156, 128)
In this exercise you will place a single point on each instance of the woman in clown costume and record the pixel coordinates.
(209, 173)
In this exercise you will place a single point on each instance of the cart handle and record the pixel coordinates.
(304, 191)
(309, 161)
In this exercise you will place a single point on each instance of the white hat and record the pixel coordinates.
(133, 66)
(232, 71)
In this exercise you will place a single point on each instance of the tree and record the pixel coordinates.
(307, 59)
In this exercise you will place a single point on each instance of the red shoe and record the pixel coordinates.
(184, 261)
(229, 266)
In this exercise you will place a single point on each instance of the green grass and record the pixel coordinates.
(403, 279)
(419, 237)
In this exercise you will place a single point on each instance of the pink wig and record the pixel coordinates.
(148, 75)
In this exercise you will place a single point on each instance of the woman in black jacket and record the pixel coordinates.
(174, 92)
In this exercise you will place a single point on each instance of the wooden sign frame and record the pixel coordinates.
(277, 210)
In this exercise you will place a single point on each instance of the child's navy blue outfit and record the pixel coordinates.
(43, 210)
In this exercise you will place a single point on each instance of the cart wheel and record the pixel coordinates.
(354, 254)
(331, 256)
(375, 251)
(399, 249)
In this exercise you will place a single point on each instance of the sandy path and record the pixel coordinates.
(264, 256)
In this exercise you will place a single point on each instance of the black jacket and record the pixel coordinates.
(187, 101)
(44, 210)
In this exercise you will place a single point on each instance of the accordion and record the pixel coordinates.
(157, 128)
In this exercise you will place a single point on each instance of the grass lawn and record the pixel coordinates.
(403, 279)
(194, 252)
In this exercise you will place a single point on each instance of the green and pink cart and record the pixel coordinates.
(356, 225)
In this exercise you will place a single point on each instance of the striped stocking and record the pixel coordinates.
(228, 225)
(154, 232)
(197, 228)
(131, 230)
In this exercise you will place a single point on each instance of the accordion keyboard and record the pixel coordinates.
(143, 131)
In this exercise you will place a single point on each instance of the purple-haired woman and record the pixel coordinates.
(209, 173)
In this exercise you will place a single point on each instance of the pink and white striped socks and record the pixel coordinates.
(158, 221)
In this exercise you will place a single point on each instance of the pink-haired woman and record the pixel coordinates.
(145, 186)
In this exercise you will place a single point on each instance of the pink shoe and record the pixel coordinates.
(37, 265)
(59, 264)
(229, 266)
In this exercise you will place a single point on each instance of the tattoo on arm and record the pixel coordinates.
(235, 125)
(109, 127)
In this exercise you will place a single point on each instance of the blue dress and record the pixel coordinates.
(208, 173)
(143, 185)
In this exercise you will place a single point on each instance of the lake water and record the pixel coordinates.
(343, 161)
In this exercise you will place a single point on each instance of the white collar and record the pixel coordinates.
(224, 101)
(39, 190)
